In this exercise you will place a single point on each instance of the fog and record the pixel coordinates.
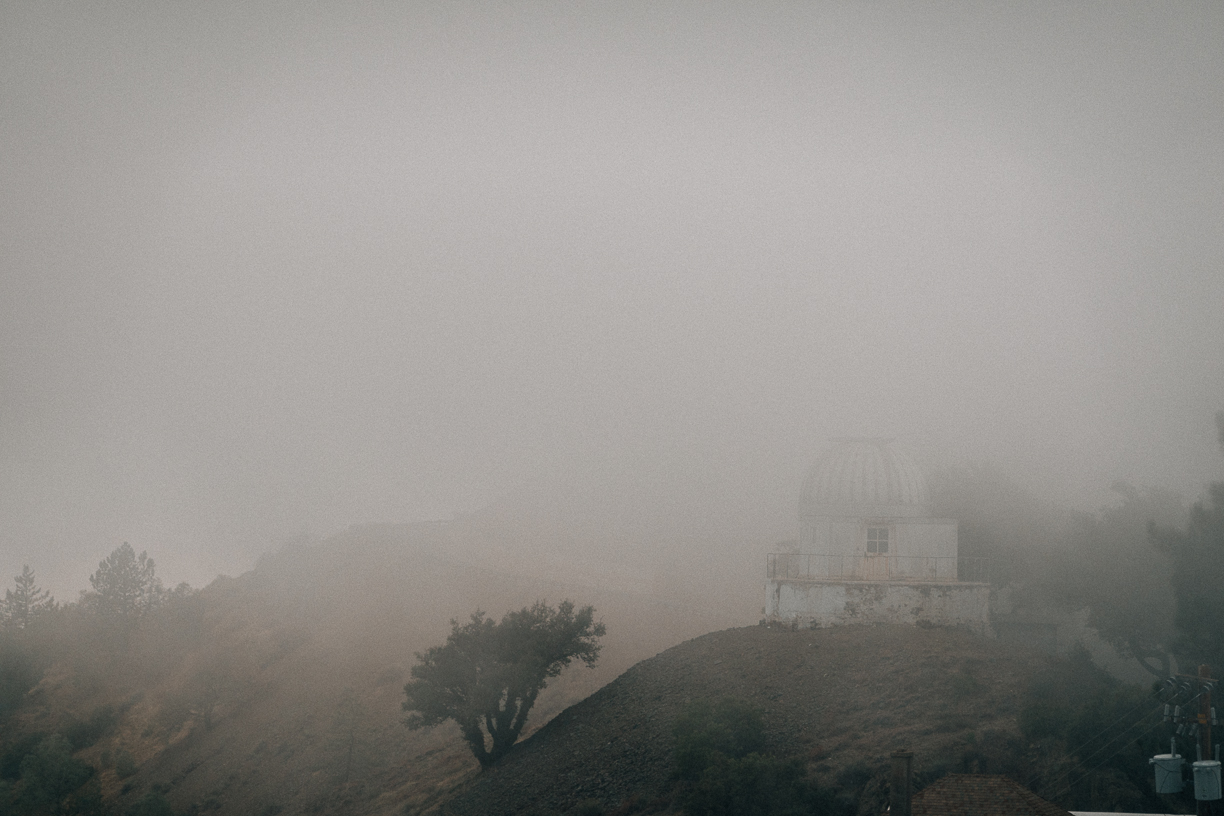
(269, 270)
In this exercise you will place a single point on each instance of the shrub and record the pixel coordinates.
(754, 785)
(125, 763)
(728, 727)
(84, 734)
(10, 760)
(718, 750)
(50, 774)
(151, 804)
(964, 684)
(19, 672)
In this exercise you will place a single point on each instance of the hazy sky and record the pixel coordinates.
(275, 268)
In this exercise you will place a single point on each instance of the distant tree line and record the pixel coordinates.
(1196, 553)
(95, 637)
(1149, 572)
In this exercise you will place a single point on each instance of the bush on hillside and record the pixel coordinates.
(719, 753)
(125, 764)
(15, 751)
(19, 672)
(151, 804)
(704, 730)
(82, 734)
(53, 781)
(754, 785)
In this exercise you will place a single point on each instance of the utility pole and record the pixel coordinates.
(1205, 766)
(1203, 808)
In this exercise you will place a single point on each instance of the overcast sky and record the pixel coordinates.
(269, 269)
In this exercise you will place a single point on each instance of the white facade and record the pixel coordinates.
(869, 550)
(839, 603)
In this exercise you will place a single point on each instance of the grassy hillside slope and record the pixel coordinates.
(839, 699)
(280, 690)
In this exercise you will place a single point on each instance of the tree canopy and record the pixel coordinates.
(1114, 570)
(25, 601)
(1197, 553)
(487, 675)
(125, 585)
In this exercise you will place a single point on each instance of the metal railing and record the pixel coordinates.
(864, 567)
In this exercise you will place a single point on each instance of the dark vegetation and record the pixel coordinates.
(123, 701)
(488, 674)
(1092, 738)
(727, 729)
(1197, 555)
(1147, 573)
(811, 715)
(724, 770)
(279, 691)
(802, 721)
(107, 636)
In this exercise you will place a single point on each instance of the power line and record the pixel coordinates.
(1103, 731)
(1096, 767)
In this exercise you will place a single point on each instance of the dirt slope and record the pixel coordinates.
(840, 698)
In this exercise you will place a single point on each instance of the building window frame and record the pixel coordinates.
(877, 538)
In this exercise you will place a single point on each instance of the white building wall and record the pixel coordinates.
(935, 538)
(815, 537)
(832, 603)
(846, 537)
(920, 548)
(927, 549)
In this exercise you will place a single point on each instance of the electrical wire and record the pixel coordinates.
(1123, 716)
(1097, 767)
(1066, 774)
(1083, 760)
(1126, 714)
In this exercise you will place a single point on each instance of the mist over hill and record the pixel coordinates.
(589, 285)
(839, 700)
(271, 271)
(282, 687)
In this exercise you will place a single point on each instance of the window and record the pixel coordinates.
(877, 540)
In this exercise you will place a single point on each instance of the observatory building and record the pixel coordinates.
(869, 550)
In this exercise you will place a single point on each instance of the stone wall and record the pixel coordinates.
(834, 603)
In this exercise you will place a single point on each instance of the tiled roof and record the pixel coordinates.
(981, 795)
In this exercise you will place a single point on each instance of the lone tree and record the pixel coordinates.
(487, 676)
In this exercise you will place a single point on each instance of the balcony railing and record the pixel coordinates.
(863, 567)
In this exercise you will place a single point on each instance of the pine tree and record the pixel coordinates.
(125, 585)
(25, 601)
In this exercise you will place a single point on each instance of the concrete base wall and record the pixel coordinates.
(834, 603)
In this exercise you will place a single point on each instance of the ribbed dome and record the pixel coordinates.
(865, 476)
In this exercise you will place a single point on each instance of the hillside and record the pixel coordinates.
(840, 699)
(280, 690)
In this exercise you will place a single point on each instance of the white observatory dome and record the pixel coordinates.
(864, 477)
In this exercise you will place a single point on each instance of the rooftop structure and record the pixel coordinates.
(981, 795)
